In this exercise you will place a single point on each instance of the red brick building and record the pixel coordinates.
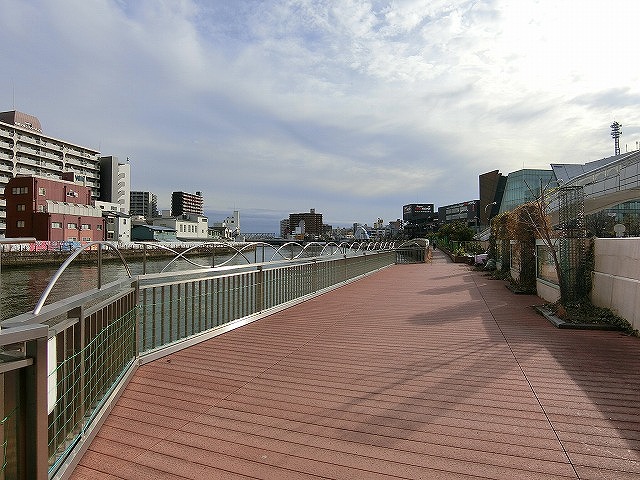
(51, 209)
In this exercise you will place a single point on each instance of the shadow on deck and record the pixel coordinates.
(418, 371)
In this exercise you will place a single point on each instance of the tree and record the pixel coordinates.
(456, 232)
(567, 238)
(600, 225)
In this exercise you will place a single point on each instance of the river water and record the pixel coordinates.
(22, 287)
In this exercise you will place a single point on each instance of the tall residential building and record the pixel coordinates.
(144, 204)
(25, 150)
(183, 203)
(115, 182)
(307, 224)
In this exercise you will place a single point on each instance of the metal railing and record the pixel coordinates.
(413, 251)
(64, 364)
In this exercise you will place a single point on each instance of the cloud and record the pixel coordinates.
(353, 108)
(610, 99)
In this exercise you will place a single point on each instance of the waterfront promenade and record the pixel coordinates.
(425, 371)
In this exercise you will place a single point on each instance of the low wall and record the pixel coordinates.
(616, 277)
(548, 291)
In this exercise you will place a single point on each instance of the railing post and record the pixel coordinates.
(36, 421)
(138, 319)
(314, 280)
(99, 266)
(259, 289)
(144, 258)
(344, 278)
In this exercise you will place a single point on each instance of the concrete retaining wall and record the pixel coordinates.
(616, 277)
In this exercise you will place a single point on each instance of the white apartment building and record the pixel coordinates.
(115, 182)
(25, 150)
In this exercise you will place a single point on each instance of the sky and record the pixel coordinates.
(350, 107)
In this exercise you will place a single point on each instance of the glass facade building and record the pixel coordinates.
(524, 186)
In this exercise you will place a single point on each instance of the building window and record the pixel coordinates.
(85, 226)
(20, 224)
(56, 224)
(21, 207)
(19, 190)
(86, 239)
(42, 191)
(72, 226)
(98, 227)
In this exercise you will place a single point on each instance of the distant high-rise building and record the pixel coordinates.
(307, 224)
(25, 150)
(183, 203)
(143, 203)
(284, 228)
(115, 182)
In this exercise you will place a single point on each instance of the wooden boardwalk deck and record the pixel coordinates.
(416, 372)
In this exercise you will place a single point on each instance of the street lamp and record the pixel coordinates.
(485, 210)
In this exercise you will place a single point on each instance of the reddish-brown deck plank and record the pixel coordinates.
(419, 371)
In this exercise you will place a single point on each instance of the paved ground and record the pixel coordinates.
(417, 372)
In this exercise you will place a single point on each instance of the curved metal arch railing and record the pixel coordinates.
(241, 251)
(65, 264)
(213, 244)
(332, 247)
(178, 254)
(290, 245)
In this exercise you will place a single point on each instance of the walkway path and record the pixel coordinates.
(416, 372)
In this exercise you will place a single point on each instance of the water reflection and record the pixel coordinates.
(23, 286)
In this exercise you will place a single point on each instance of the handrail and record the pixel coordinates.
(101, 336)
(65, 264)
